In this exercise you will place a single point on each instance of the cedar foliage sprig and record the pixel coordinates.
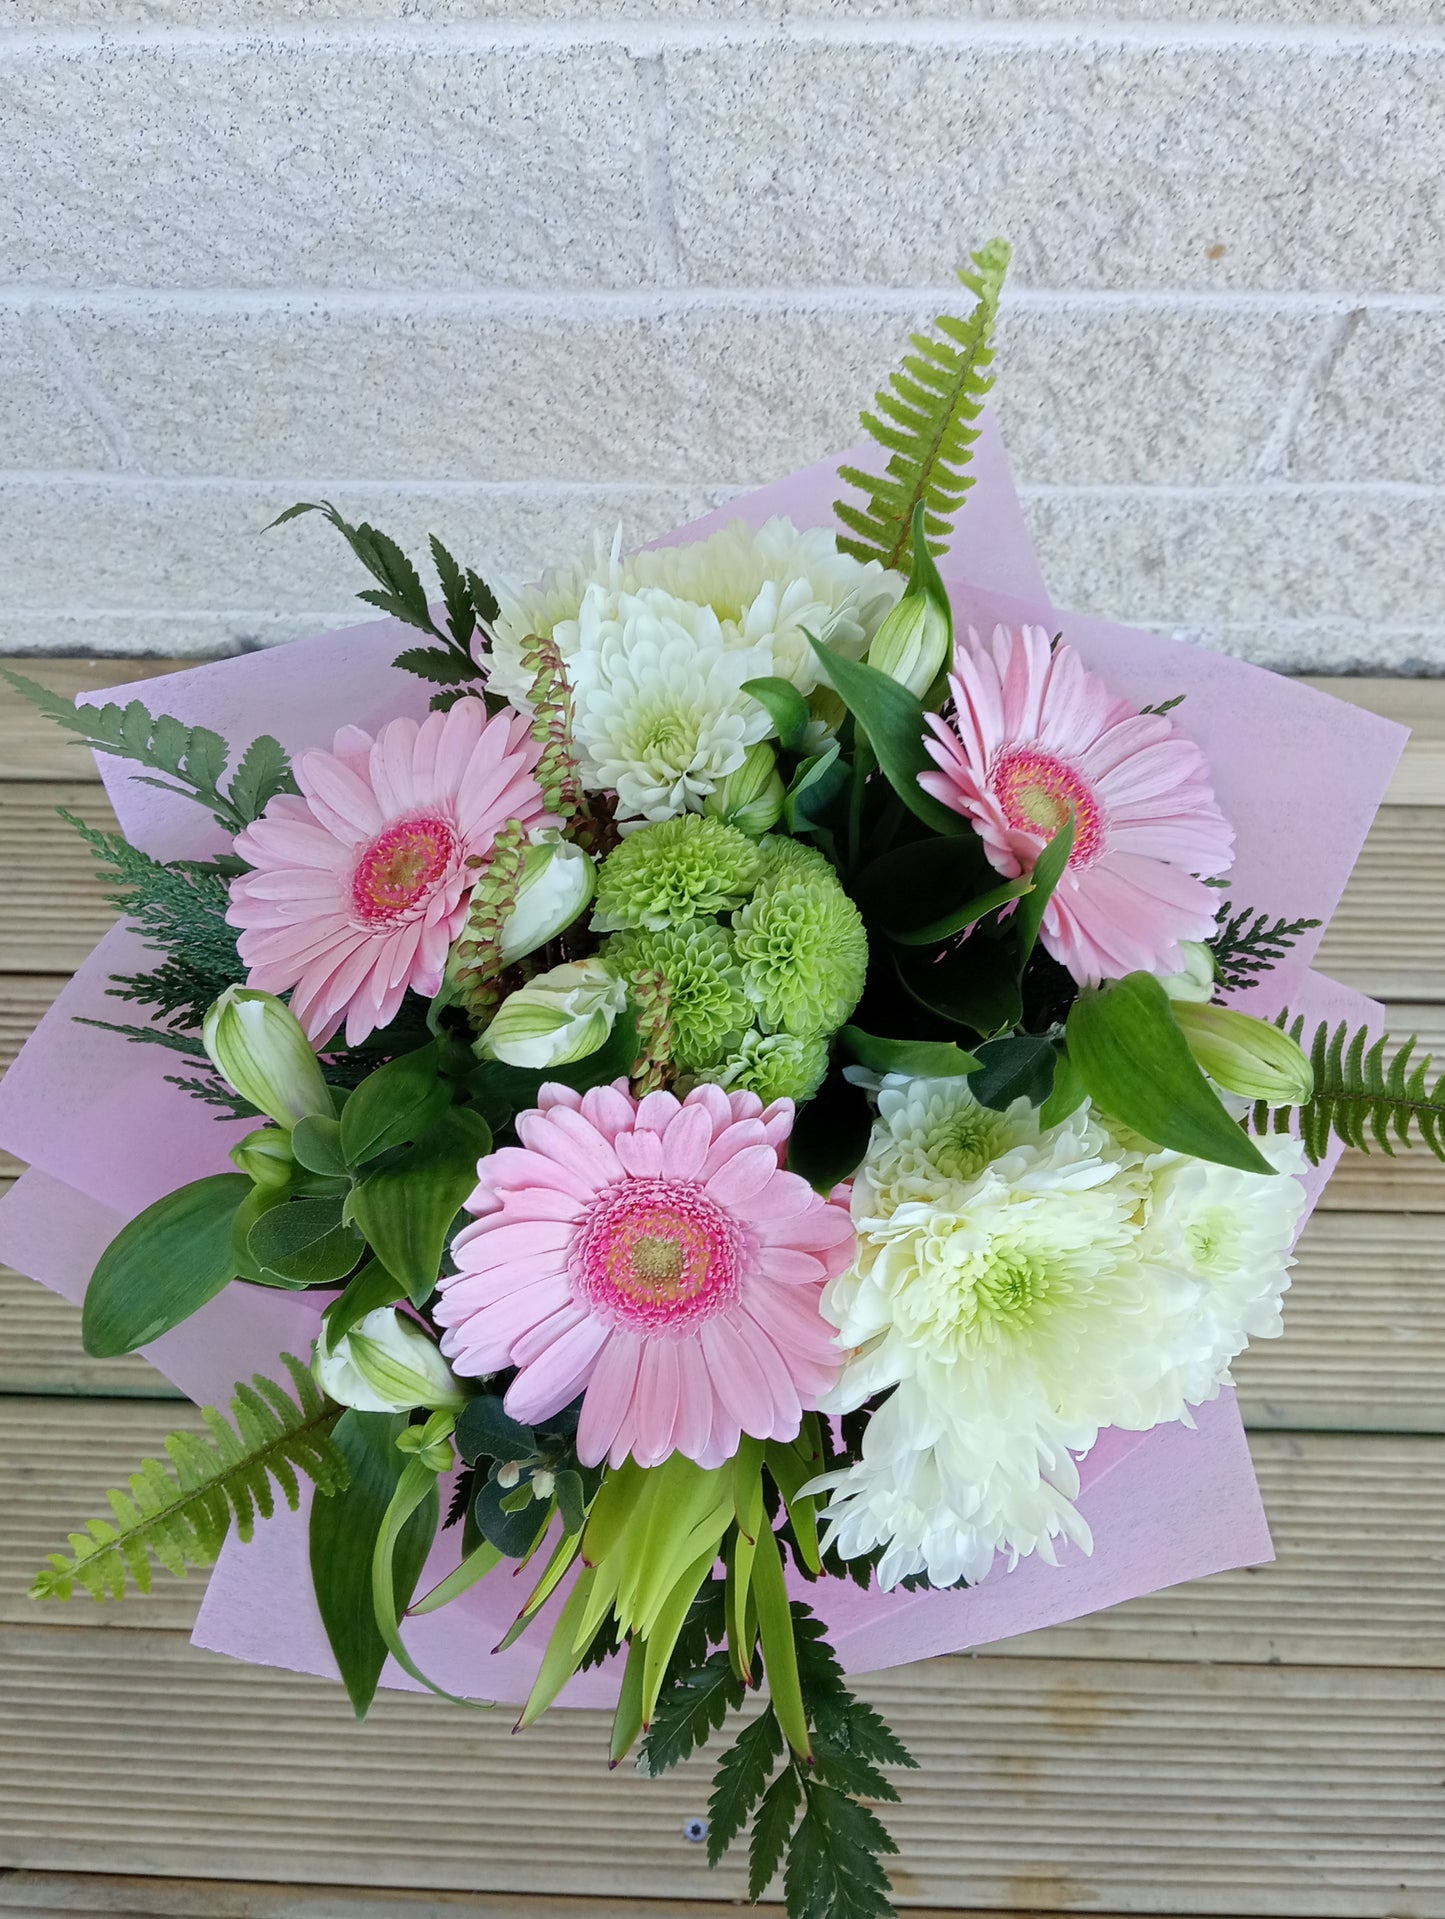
(1363, 1091)
(1248, 944)
(193, 757)
(925, 424)
(807, 1820)
(180, 1517)
(470, 603)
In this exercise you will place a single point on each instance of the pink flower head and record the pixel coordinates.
(361, 883)
(654, 1256)
(1035, 734)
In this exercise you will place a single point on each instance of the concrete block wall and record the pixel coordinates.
(511, 269)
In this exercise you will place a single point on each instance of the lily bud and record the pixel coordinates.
(915, 642)
(386, 1364)
(557, 883)
(1246, 1055)
(1196, 981)
(265, 1156)
(559, 1017)
(257, 1046)
(750, 797)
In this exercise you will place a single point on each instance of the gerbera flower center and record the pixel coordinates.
(656, 1256)
(1037, 791)
(400, 867)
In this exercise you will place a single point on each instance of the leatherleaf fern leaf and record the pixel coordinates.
(1365, 1090)
(925, 423)
(180, 1517)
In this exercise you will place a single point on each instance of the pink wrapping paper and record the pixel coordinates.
(1301, 776)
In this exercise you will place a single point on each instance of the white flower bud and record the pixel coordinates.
(257, 1046)
(387, 1363)
(559, 1017)
(509, 1476)
(557, 883)
(544, 1483)
(1246, 1055)
(751, 796)
(1196, 982)
(915, 643)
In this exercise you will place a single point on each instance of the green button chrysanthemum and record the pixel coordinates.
(775, 1066)
(804, 953)
(783, 858)
(668, 874)
(707, 1007)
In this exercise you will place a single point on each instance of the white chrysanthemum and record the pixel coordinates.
(658, 714)
(1219, 1243)
(768, 587)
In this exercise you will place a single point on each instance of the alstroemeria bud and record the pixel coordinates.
(1196, 981)
(915, 642)
(556, 1018)
(557, 883)
(1245, 1055)
(387, 1363)
(257, 1046)
(265, 1156)
(751, 796)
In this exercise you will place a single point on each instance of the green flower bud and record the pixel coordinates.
(559, 1017)
(265, 1156)
(1196, 982)
(387, 1363)
(750, 797)
(257, 1046)
(915, 642)
(431, 1444)
(1246, 1055)
(557, 883)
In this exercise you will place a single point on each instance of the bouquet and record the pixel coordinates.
(719, 1094)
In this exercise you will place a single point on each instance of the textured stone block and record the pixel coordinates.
(1234, 13)
(1380, 415)
(215, 14)
(42, 424)
(1132, 166)
(264, 164)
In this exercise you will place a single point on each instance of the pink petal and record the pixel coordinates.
(609, 1397)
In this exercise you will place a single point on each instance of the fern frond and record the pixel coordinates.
(179, 1517)
(1364, 1092)
(925, 424)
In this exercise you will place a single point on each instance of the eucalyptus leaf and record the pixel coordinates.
(406, 1208)
(1019, 1066)
(486, 1430)
(786, 706)
(163, 1266)
(344, 1530)
(394, 1105)
(511, 1532)
(919, 1058)
(893, 719)
(1136, 1066)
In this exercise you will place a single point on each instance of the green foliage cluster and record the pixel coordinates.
(925, 424)
(1366, 1090)
(179, 1517)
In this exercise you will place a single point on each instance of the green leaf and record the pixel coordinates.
(1069, 1092)
(180, 1518)
(367, 1292)
(1362, 1095)
(780, 1655)
(316, 1143)
(264, 771)
(1048, 870)
(907, 886)
(787, 707)
(486, 1430)
(926, 426)
(512, 1532)
(304, 1242)
(435, 663)
(933, 932)
(1020, 1066)
(833, 1870)
(830, 1134)
(977, 986)
(461, 615)
(894, 722)
(344, 1532)
(815, 786)
(687, 1712)
(919, 1058)
(482, 1559)
(740, 1782)
(406, 1209)
(415, 1493)
(1136, 1067)
(394, 1105)
(771, 1830)
(163, 1266)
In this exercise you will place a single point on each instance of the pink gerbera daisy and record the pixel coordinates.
(654, 1256)
(361, 883)
(1036, 734)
